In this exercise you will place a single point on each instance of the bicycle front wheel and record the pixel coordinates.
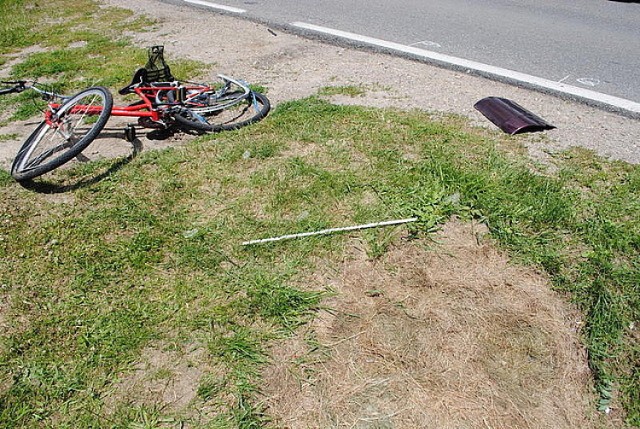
(57, 140)
(252, 108)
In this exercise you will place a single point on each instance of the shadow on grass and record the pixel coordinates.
(54, 188)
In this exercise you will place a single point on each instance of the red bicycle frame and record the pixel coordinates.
(147, 107)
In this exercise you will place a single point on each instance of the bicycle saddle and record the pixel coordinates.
(139, 77)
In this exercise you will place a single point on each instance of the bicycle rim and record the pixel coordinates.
(211, 103)
(251, 109)
(71, 129)
(214, 100)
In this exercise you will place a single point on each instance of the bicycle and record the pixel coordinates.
(71, 123)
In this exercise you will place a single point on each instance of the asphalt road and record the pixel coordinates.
(591, 44)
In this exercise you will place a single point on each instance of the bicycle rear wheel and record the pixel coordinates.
(250, 109)
(72, 127)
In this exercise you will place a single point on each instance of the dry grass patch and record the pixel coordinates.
(446, 336)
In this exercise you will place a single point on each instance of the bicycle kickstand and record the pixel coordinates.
(130, 133)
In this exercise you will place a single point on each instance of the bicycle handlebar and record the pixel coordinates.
(23, 85)
(18, 86)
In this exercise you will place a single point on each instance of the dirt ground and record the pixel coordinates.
(442, 334)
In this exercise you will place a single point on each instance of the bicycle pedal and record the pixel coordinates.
(130, 133)
(149, 123)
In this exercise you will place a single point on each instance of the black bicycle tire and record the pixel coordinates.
(21, 175)
(181, 117)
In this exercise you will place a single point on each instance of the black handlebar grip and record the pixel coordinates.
(18, 87)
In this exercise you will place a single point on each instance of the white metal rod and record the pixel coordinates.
(331, 231)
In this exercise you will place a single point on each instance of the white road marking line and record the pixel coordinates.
(427, 43)
(216, 6)
(610, 100)
(588, 81)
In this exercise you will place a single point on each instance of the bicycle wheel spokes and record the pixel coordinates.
(209, 103)
(50, 144)
(250, 109)
(231, 92)
(77, 120)
(67, 131)
(66, 128)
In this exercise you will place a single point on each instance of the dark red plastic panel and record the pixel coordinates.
(510, 117)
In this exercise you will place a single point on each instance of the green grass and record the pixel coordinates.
(74, 41)
(349, 90)
(97, 271)
(56, 23)
(151, 253)
(5, 137)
